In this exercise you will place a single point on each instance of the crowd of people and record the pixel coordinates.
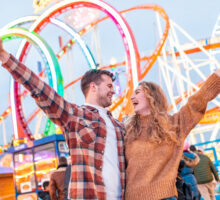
(138, 159)
(199, 174)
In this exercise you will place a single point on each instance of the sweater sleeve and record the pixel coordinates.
(214, 171)
(191, 113)
(54, 105)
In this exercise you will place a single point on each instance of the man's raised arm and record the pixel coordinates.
(4, 55)
(55, 107)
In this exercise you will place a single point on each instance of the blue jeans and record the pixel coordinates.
(171, 198)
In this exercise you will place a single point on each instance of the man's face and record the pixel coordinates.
(105, 91)
(47, 188)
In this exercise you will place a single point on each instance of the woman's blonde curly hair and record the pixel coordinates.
(160, 128)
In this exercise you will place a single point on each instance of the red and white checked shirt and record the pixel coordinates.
(84, 130)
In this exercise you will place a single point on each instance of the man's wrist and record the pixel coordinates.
(4, 56)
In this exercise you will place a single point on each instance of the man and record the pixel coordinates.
(57, 188)
(204, 172)
(44, 195)
(95, 139)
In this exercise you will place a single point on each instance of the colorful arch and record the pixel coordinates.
(150, 60)
(50, 127)
(55, 81)
(76, 37)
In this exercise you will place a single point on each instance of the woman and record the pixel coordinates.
(154, 139)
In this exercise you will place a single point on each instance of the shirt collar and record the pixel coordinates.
(97, 108)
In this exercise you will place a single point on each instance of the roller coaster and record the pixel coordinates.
(182, 66)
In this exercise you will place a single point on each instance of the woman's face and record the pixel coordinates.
(140, 102)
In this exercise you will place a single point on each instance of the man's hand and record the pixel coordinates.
(4, 55)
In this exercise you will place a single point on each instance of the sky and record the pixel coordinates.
(196, 17)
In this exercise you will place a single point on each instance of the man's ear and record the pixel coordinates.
(92, 86)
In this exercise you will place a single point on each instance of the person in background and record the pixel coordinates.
(204, 172)
(57, 180)
(191, 160)
(45, 195)
(154, 139)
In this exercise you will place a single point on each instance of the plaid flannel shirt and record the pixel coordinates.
(84, 130)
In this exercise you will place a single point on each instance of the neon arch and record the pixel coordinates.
(150, 60)
(55, 81)
(50, 127)
(85, 49)
(157, 51)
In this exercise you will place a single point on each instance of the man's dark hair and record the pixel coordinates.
(62, 160)
(45, 184)
(200, 151)
(192, 148)
(93, 75)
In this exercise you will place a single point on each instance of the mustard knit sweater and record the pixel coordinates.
(151, 168)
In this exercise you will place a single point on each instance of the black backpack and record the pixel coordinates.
(184, 189)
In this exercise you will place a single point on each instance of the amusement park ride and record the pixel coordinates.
(182, 69)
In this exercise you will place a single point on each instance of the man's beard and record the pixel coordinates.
(103, 101)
